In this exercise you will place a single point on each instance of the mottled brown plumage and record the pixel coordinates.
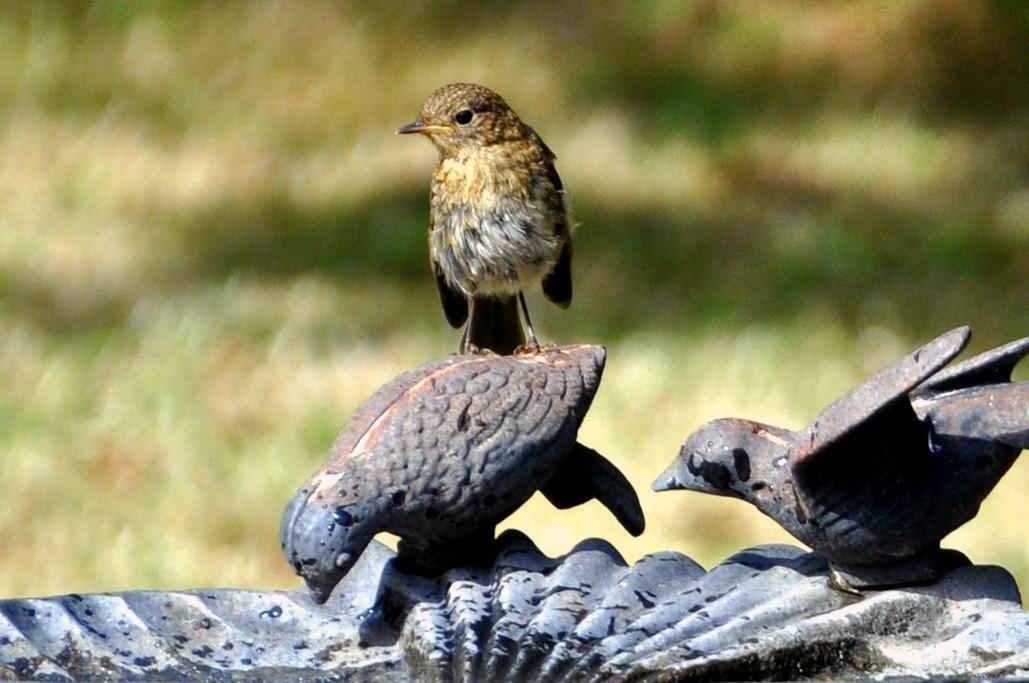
(498, 219)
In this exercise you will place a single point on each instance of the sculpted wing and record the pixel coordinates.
(883, 397)
(862, 463)
(976, 400)
(991, 367)
(994, 412)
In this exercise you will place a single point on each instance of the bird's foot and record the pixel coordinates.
(529, 348)
(473, 350)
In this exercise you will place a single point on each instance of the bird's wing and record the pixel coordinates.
(552, 174)
(992, 367)
(548, 156)
(877, 408)
(371, 411)
(862, 467)
(557, 285)
(585, 475)
(455, 306)
(993, 412)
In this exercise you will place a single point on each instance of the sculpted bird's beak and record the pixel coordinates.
(321, 588)
(669, 479)
(419, 126)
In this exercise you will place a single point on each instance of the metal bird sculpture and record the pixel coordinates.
(443, 453)
(885, 472)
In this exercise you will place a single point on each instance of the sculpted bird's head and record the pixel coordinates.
(322, 538)
(729, 457)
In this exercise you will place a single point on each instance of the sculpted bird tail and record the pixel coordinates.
(586, 475)
(494, 324)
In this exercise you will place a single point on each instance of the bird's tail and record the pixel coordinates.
(494, 324)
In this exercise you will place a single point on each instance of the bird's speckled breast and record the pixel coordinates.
(498, 224)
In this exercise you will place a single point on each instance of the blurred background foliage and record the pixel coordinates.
(212, 246)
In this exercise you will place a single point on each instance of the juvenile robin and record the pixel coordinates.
(498, 219)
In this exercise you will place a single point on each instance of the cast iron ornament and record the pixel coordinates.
(443, 453)
(766, 613)
(885, 472)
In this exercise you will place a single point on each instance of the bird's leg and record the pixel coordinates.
(466, 342)
(531, 341)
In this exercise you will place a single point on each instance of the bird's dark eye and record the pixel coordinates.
(464, 117)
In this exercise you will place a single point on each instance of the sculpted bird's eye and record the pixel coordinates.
(464, 117)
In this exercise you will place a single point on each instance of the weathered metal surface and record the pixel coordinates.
(881, 475)
(765, 613)
(443, 453)
(199, 635)
(873, 483)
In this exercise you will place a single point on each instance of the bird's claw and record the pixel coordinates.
(473, 350)
(526, 349)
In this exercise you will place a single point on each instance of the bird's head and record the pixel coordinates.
(465, 116)
(729, 457)
(323, 537)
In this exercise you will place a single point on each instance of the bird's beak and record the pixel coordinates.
(668, 481)
(419, 126)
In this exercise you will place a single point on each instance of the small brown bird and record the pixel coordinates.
(498, 222)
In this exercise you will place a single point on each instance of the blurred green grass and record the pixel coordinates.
(212, 246)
